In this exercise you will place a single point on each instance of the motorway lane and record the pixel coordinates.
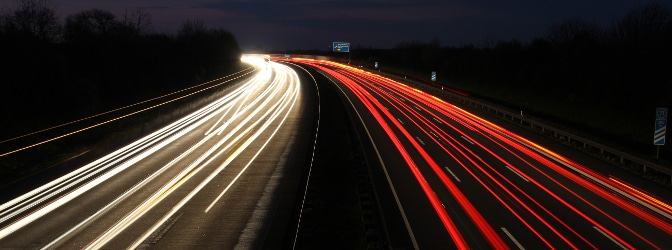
(342, 209)
(206, 180)
(425, 230)
(515, 194)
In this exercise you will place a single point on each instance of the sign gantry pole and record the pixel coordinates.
(342, 47)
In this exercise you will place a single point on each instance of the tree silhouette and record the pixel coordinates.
(97, 62)
(139, 21)
(646, 28)
(34, 19)
(89, 26)
(573, 30)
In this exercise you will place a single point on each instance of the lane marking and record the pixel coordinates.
(387, 175)
(453, 174)
(518, 174)
(513, 239)
(465, 138)
(587, 175)
(610, 238)
(420, 140)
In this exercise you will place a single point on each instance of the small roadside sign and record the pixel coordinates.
(660, 126)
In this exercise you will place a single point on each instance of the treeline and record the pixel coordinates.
(629, 62)
(92, 61)
(618, 74)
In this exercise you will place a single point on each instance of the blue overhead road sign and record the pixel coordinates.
(341, 47)
(661, 125)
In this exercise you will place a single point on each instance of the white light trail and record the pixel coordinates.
(98, 171)
(272, 112)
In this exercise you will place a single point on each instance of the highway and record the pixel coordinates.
(209, 179)
(229, 176)
(459, 181)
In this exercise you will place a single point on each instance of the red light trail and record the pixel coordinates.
(554, 177)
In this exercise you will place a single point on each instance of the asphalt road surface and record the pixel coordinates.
(460, 181)
(311, 154)
(212, 179)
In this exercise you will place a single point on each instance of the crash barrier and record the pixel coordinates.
(647, 169)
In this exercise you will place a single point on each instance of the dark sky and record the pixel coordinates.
(314, 24)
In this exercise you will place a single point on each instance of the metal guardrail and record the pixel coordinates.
(652, 171)
(647, 169)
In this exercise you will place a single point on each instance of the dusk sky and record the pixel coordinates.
(314, 24)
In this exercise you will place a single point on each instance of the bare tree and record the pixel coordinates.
(89, 24)
(36, 18)
(645, 27)
(140, 21)
(192, 28)
(572, 30)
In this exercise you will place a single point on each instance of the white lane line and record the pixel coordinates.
(420, 140)
(230, 106)
(55, 187)
(402, 123)
(465, 138)
(387, 175)
(265, 125)
(513, 239)
(595, 179)
(610, 238)
(518, 174)
(288, 102)
(453, 174)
